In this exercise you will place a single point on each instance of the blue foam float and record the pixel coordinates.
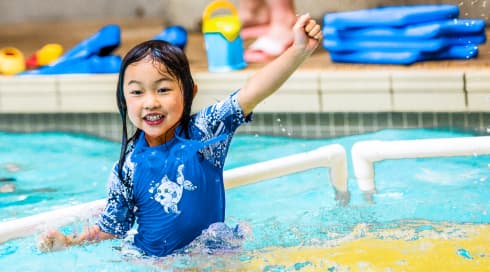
(415, 31)
(395, 44)
(176, 35)
(92, 55)
(404, 57)
(402, 35)
(102, 43)
(91, 65)
(394, 16)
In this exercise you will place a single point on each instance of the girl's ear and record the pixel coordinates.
(194, 92)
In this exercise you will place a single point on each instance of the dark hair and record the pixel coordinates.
(177, 65)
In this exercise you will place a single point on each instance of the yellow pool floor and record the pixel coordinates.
(447, 247)
(416, 245)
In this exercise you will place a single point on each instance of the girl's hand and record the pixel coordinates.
(52, 240)
(307, 33)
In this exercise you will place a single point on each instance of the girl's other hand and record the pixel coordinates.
(52, 240)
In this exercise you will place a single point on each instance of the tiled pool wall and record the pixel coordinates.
(311, 104)
(299, 125)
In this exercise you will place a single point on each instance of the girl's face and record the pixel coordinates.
(154, 100)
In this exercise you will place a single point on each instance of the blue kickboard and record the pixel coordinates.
(393, 16)
(92, 55)
(404, 57)
(415, 31)
(393, 45)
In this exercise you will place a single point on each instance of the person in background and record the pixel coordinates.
(169, 177)
(270, 21)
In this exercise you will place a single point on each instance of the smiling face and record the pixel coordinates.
(154, 100)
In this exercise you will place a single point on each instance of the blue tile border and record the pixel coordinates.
(298, 125)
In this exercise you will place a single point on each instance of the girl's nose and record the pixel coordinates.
(151, 101)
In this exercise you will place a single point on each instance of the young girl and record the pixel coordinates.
(169, 176)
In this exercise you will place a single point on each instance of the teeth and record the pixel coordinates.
(153, 117)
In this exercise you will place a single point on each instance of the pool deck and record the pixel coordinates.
(318, 86)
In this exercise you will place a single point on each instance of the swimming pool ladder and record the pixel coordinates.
(331, 156)
(366, 153)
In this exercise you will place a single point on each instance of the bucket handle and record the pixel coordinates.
(218, 4)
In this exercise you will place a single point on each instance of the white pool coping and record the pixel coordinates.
(451, 90)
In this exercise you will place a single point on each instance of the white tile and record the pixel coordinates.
(429, 101)
(356, 102)
(286, 102)
(220, 83)
(88, 93)
(479, 101)
(478, 80)
(301, 82)
(300, 93)
(28, 94)
(427, 81)
(357, 81)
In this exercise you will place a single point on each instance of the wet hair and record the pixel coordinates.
(176, 64)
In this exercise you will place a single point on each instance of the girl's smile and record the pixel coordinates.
(154, 100)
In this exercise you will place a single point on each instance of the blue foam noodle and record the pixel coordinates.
(394, 16)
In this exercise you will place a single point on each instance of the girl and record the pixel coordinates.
(170, 172)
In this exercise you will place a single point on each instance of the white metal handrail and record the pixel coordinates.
(330, 156)
(366, 153)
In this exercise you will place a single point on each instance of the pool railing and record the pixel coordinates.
(366, 153)
(331, 156)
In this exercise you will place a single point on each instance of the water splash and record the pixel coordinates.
(464, 253)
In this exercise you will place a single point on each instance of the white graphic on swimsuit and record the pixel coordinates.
(169, 193)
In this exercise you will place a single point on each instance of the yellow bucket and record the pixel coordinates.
(224, 45)
(226, 24)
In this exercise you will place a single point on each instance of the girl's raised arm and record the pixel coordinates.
(307, 37)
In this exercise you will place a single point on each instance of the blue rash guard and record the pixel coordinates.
(176, 189)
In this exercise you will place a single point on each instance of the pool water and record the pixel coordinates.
(424, 209)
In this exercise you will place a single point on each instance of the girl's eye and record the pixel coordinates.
(135, 92)
(163, 90)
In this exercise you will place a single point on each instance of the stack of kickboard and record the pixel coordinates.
(401, 35)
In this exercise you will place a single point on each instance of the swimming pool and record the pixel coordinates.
(428, 213)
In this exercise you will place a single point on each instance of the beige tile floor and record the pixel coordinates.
(30, 36)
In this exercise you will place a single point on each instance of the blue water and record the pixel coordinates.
(55, 169)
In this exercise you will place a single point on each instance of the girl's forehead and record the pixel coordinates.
(148, 66)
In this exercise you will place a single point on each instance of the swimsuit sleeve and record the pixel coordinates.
(219, 120)
(118, 215)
